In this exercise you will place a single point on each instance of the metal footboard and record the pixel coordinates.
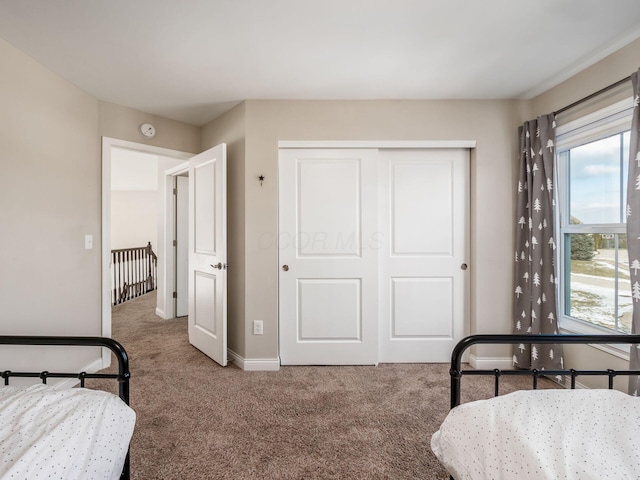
(457, 372)
(122, 376)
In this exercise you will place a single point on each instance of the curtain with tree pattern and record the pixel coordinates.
(535, 275)
(633, 229)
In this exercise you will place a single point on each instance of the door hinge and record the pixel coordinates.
(175, 243)
(175, 191)
(175, 294)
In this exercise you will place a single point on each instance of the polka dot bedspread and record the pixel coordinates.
(543, 434)
(71, 433)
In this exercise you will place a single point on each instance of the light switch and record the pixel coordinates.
(88, 242)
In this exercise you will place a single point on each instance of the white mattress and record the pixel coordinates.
(62, 433)
(543, 434)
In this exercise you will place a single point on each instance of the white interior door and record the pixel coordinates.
(328, 281)
(424, 198)
(182, 246)
(208, 253)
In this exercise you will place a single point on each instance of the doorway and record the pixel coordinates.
(166, 158)
(373, 253)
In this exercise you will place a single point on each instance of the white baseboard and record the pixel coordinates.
(579, 386)
(254, 364)
(489, 363)
(160, 312)
(93, 367)
(567, 384)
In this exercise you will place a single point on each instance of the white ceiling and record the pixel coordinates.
(192, 60)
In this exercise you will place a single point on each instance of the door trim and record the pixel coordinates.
(107, 144)
(169, 283)
(377, 144)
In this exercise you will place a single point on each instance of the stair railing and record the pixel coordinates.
(134, 272)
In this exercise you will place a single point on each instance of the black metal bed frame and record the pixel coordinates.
(457, 372)
(122, 376)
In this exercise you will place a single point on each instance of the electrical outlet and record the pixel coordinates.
(257, 327)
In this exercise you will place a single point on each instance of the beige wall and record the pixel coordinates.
(591, 358)
(123, 123)
(615, 67)
(51, 197)
(49, 284)
(134, 218)
(230, 129)
(493, 124)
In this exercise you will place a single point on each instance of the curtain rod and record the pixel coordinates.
(589, 97)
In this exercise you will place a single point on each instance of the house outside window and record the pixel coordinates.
(592, 155)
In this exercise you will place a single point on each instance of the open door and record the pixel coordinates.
(208, 253)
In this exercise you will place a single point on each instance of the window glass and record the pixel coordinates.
(594, 182)
(625, 170)
(625, 301)
(595, 285)
(597, 280)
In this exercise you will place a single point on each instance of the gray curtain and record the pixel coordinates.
(633, 228)
(535, 277)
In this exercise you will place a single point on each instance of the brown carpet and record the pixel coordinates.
(197, 420)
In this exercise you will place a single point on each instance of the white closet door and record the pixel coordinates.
(424, 202)
(373, 254)
(328, 257)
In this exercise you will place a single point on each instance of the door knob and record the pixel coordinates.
(463, 266)
(218, 266)
(285, 268)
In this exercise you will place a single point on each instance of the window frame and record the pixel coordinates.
(608, 121)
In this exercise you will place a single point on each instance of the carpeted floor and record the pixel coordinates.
(197, 420)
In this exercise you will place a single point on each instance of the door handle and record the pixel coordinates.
(218, 266)
(463, 266)
(285, 268)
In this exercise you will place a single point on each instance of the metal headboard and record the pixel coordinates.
(122, 376)
(457, 372)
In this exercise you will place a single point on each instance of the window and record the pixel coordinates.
(592, 163)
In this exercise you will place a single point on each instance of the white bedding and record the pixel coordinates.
(543, 434)
(62, 433)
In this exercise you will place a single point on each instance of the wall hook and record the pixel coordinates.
(261, 178)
